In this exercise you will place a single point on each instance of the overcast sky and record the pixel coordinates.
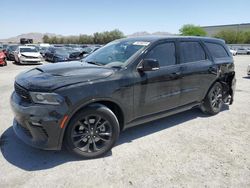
(73, 17)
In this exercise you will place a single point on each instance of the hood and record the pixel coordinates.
(54, 76)
(31, 54)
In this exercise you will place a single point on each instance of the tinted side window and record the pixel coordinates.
(164, 53)
(217, 50)
(191, 51)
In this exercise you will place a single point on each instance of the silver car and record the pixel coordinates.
(243, 51)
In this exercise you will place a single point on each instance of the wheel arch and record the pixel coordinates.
(225, 81)
(114, 106)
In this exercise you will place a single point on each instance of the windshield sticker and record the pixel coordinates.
(141, 43)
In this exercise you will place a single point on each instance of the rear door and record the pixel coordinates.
(197, 71)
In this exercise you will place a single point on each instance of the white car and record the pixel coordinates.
(248, 70)
(233, 52)
(27, 55)
(243, 51)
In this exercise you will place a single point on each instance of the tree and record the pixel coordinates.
(234, 37)
(45, 38)
(192, 30)
(96, 38)
(229, 36)
(247, 37)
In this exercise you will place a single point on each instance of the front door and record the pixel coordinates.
(158, 91)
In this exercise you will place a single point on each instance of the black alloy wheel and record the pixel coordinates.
(92, 132)
(214, 100)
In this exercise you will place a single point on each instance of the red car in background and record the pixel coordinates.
(3, 60)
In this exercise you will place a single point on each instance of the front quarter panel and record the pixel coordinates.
(116, 89)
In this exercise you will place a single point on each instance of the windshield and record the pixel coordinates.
(61, 51)
(28, 50)
(116, 53)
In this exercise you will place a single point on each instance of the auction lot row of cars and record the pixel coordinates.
(35, 54)
(239, 51)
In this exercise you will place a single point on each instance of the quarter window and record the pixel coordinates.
(164, 53)
(191, 52)
(217, 50)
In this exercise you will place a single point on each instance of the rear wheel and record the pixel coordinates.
(92, 132)
(213, 101)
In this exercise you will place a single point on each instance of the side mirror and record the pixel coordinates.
(148, 65)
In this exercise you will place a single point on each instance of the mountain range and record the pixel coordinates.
(38, 37)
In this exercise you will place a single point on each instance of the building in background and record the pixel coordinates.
(213, 30)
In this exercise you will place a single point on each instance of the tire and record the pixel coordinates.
(213, 101)
(92, 132)
(5, 62)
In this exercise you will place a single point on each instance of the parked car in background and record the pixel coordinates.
(44, 45)
(3, 59)
(56, 54)
(233, 51)
(131, 81)
(243, 51)
(36, 46)
(4, 47)
(43, 50)
(27, 55)
(60, 54)
(89, 50)
(10, 52)
(248, 51)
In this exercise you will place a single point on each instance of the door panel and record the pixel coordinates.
(157, 91)
(196, 70)
(196, 78)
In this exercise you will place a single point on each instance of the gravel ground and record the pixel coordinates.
(184, 150)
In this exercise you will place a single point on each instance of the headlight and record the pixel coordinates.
(46, 98)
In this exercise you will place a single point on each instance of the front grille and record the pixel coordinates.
(23, 93)
(30, 57)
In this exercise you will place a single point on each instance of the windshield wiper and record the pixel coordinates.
(94, 63)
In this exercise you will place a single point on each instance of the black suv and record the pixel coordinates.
(85, 104)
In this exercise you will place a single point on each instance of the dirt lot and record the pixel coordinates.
(185, 150)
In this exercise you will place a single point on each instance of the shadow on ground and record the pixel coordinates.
(19, 64)
(246, 77)
(30, 159)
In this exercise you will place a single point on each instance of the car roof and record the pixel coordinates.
(154, 38)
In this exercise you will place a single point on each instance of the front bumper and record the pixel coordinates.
(24, 60)
(37, 125)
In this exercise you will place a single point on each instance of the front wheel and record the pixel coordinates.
(5, 62)
(92, 132)
(213, 101)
